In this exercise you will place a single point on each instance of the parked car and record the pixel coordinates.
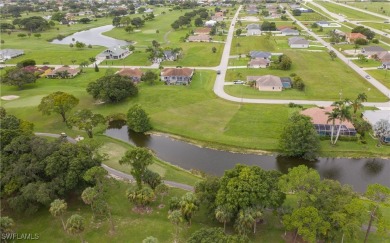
(218, 71)
(238, 82)
(367, 77)
(380, 67)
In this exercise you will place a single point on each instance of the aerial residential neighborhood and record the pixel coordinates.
(195, 121)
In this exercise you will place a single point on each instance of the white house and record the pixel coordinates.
(289, 32)
(210, 23)
(253, 29)
(298, 42)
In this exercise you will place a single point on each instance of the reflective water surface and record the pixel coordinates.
(92, 36)
(355, 172)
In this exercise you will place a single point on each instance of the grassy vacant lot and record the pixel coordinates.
(382, 76)
(311, 17)
(180, 110)
(350, 13)
(134, 227)
(321, 84)
(376, 7)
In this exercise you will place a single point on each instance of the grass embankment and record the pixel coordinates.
(133, 227)
(192, 112)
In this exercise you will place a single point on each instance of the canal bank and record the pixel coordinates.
(356, 172)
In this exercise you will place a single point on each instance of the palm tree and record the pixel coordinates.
(57, 209)
(332, 116)
(75, 225)
(223, 215)
(344, 115)
(244, 221)
(357, 104)
(257, 215)
(176, 218)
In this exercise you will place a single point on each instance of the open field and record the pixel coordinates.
(136, 227)
(382, 76)
(322, 84)
(351, 14)
(375, 7)
(311, 17)
(176, 110)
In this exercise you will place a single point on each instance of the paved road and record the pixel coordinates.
(117, 173)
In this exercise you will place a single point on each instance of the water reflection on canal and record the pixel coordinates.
(356, 172)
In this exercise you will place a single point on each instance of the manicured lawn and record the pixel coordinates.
(311, 17)
(368, 63)
(350, 13)
(245, 44)
(180, 110)
(382, 76)
(321, 84)
(375, 7)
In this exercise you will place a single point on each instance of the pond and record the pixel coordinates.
(94, 37)
(356, 172)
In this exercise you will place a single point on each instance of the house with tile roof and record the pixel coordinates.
(177, 75)
(266, 82)
(63, 72)
(373, 51)
(298, 42)
(352, 37)
(258, 63)
(134, 73)
(319, 118)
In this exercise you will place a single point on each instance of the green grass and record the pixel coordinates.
(382, 76)
(311, 17)
(179, 110)
(134, 227)
(368, 63)
(350, 13)
(321, 84)
(115, 150)
(374, 7)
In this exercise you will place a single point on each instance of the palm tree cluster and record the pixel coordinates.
(342, 113)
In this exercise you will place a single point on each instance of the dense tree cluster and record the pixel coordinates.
(365, 31)
(35, 171)
(32, 24)
(18, 77)
(299, 138)
(186, 19)
(112, 88)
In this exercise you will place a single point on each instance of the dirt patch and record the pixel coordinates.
(9, 97)
(289, 237)
(161, 206)
(142, 210)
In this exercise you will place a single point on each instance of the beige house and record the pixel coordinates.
(266, 82)
(63, 72)
(258, 63)
(177, 75)
(134, 73)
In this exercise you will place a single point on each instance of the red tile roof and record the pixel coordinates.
(354, 36)
(318, 116)
(184, 72)
(130, 72)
